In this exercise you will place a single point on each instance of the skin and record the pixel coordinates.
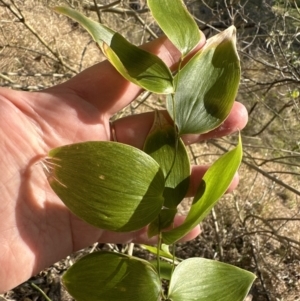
(36, 229)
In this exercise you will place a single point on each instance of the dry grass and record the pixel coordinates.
(256, 227)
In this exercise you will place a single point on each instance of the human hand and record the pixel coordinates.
(36, 229)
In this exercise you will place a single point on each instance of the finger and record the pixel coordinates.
(134, 129)
(141, 236)
(102, 86)
(236, 121)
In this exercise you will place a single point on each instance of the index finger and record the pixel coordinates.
(102, 85)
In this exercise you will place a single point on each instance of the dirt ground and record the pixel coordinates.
(256, 227)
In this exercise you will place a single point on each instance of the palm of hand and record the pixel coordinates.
(36, 229)
(33, 221)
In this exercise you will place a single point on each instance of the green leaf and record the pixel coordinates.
(164, 220)
(110, 185)
(213, 185)
(163, 252)
(105, 276)
(136, 65)
(208, 280)
(176, 22)
(165, 269)
(164, 145)
(206, 86)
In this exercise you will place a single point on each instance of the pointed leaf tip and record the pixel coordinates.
(228, 35)
(213, 185)
(207, 86)
(133, 63)
(177, 23)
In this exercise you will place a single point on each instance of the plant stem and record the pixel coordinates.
(41, 291)
(158, 261)
(178, 73)
(173, 253)
(158, 253)
(176, 140)
(98, 11)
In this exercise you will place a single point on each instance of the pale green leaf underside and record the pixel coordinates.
(105, 276)
(176, 22)
(206, 86)
(108, 184)
(208, 280)
(136, 65)
(213, 185)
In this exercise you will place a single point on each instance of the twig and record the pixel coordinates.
(83, 53)
(111, 8)
(271, 234)
(55, 75)
(125, 11)
(260, 61)
(150, 31)
(97, 11)
(273, 149)
(21, 19)
(91, 7)
(286, 105)
(95, 245)
(274, 179)
(6, 78)
(284, 172)
(215, 220)
(278, 160)
(142, 100)
(31, 50)
(296, 5)
(24, 87)
(264, 173)
(41, 291)
(259, 273)
(287, 219)
(130, 249)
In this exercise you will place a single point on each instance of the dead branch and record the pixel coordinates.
(258, 169)
(18, 14)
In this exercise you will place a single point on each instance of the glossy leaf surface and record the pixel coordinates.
(176, 22)
(207, 86)
(106, 276)
(213, 185)
(208, 280)
(164, 220)
(168, 150)
(108, 184)
(136, 65)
